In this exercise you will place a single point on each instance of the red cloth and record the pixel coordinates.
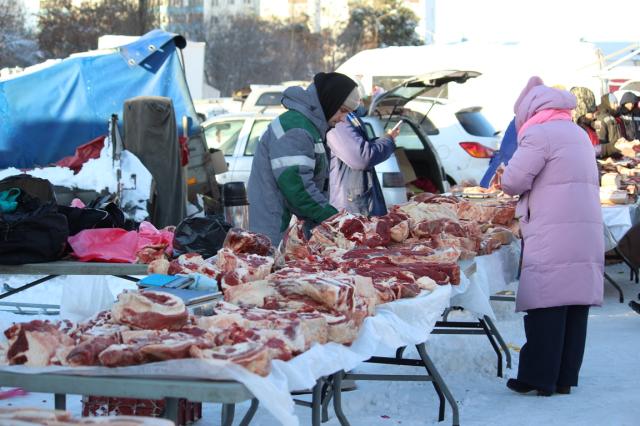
(83, 153)
(593, 136)
(426, 185)
(184, 150)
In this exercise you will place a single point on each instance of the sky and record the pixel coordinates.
(516, 20)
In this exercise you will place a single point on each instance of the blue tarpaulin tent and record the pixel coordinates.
(46, 114)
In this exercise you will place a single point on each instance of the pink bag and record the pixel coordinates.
(117, 245)
(105, 245)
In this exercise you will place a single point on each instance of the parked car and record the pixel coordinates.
(463, 137)
(237, 136)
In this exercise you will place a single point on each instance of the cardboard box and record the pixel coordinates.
(406, 168)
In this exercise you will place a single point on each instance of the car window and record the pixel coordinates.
(475, 123)
(269, 99)
(408, 138)
(258, 128)
(224, 135)
(425, 122)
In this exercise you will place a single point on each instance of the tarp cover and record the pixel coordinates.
(45, 115)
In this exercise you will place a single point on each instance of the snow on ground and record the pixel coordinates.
(608, 392)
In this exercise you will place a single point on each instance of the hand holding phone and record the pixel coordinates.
(395, 130)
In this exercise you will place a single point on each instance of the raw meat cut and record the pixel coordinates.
(37, 344)
(241, 268)
(253, 356)
(86, 353)
(150, 310)
(240, 241)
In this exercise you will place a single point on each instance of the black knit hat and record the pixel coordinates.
(333, 89)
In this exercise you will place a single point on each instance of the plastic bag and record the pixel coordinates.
(202, 235)
(105, 245)
(81, 300)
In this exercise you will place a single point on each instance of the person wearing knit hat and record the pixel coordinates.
(336, 93)
(290, 169)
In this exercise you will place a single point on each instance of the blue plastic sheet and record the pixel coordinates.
(45, 115)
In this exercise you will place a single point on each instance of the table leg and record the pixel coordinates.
(501, 341)
(60, 401)
(171, 408)
(26, 286)
(337, 398)
(494, 345)
(327, 394)
(614, 284)
(433, 372)
(228, 411)
(249, 415)
(316, 403)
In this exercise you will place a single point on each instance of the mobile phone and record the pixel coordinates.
(397, 126)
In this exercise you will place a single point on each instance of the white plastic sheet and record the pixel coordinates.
(618, 219)
(399, 323)
(494, 272)
(82, 300)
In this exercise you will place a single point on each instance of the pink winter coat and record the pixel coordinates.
(554, 171)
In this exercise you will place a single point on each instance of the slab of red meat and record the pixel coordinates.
(343, 319)
(86, 353)
(150, 310)
(294, 243)
(149, 253)
(193, 263)
(430, 228)
(241, 268)
(240, 241)
(143, 346)
(254, 356)
(37, 343)
(299, 332)
(427, 197)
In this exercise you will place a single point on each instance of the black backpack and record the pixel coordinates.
(35, 231)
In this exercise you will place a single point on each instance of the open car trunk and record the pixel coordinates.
(428, 173)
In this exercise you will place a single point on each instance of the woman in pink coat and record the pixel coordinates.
(554, 172)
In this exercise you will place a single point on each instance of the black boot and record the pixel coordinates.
(521, 387)
(635, 306)
(563, 390)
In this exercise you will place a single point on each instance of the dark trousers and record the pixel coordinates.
(553, 353)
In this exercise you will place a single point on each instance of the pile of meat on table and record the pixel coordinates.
(319, 288)
(619, 180)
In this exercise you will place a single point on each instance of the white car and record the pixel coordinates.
(464, 139)
(237, 136)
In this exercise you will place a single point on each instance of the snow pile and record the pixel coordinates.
(100, 174)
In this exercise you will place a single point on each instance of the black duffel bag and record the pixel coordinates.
(35, 231)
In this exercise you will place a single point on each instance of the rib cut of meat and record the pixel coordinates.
(294, 243)
(150, 310)
(240, 241)
(242, 268)
(86, 353)
(253, 356)
(37, 344)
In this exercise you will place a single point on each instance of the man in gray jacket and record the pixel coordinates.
(289, 173)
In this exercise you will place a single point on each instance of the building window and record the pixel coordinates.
(214, 2)
(231, 2)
